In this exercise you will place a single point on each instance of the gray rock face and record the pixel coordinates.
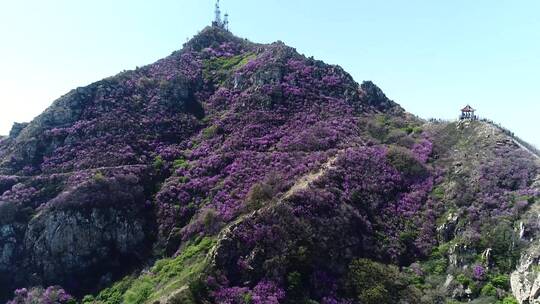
(16, 129)
(8, 243)
(374, 96)
(88, 235)
(68, 244)
(446, 231)
(11, 249)
(525, 281)
(27, 144)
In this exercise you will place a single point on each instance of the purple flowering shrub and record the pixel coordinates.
(422, 150)
(20, 193)
(255, 131)
(478, 272)
(6, 182)
(282, 115)
(501, 190)
(50, 295)
(482, 191)
(126, 119)
(381, 210)
(265, 292)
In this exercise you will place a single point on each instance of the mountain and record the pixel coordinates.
(236, 172)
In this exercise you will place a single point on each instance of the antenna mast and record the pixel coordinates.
(217, 21)
(226, 22)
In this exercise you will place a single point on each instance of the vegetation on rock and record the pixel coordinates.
(232, 172)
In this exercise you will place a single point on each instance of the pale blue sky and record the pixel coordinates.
(431, 56)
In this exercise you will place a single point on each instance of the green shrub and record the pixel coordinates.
(114, 294)
(441, 250)
(436, 266)
(180, 164)
(412, 129)
(217, 69)
(509, 300)
(405, 162)
(438, 263)
(295, 290)
(264, 191)
(395, 136)
(260, 192)
(209, 219)
(504, 241)
(377, 129)
(247, 298)
(98, 177)
(489, 290)
(475, 288)
(438, 192)
(375, 283)
(199, 290)
(463, 280)
(159, 163)
(88, 299)
(166, 277)
(139, 292)
(375, 294)
(294, 280)
(210, 132)
(501, 281)
(417, 130)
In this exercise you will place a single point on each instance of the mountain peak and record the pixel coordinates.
(250, 171)
(213, 36)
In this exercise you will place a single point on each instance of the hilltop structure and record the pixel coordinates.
(467, 113)
(222, 23)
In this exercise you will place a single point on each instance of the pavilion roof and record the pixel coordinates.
(468, 108)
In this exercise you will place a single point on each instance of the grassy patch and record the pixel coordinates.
(210, 132)
(181, 163)
(438, 262)
(217, 69)
(165, 278)
(438, 192)
(405, 162)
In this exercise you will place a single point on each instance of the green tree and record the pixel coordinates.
(375, 283)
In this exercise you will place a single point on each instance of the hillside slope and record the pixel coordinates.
(235, 172)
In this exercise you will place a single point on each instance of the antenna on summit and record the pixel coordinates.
(217, 19)
(218, 22)
(226, 22)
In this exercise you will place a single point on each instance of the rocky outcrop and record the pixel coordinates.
(8, 247)
(375, 97)
(446, 231)
(88, 235)
(76, 248)
(525, 281)
(28, 142)
(16, 129)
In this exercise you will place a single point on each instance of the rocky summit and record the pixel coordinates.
(234, 172)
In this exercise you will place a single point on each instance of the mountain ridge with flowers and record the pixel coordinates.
(236, 172)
